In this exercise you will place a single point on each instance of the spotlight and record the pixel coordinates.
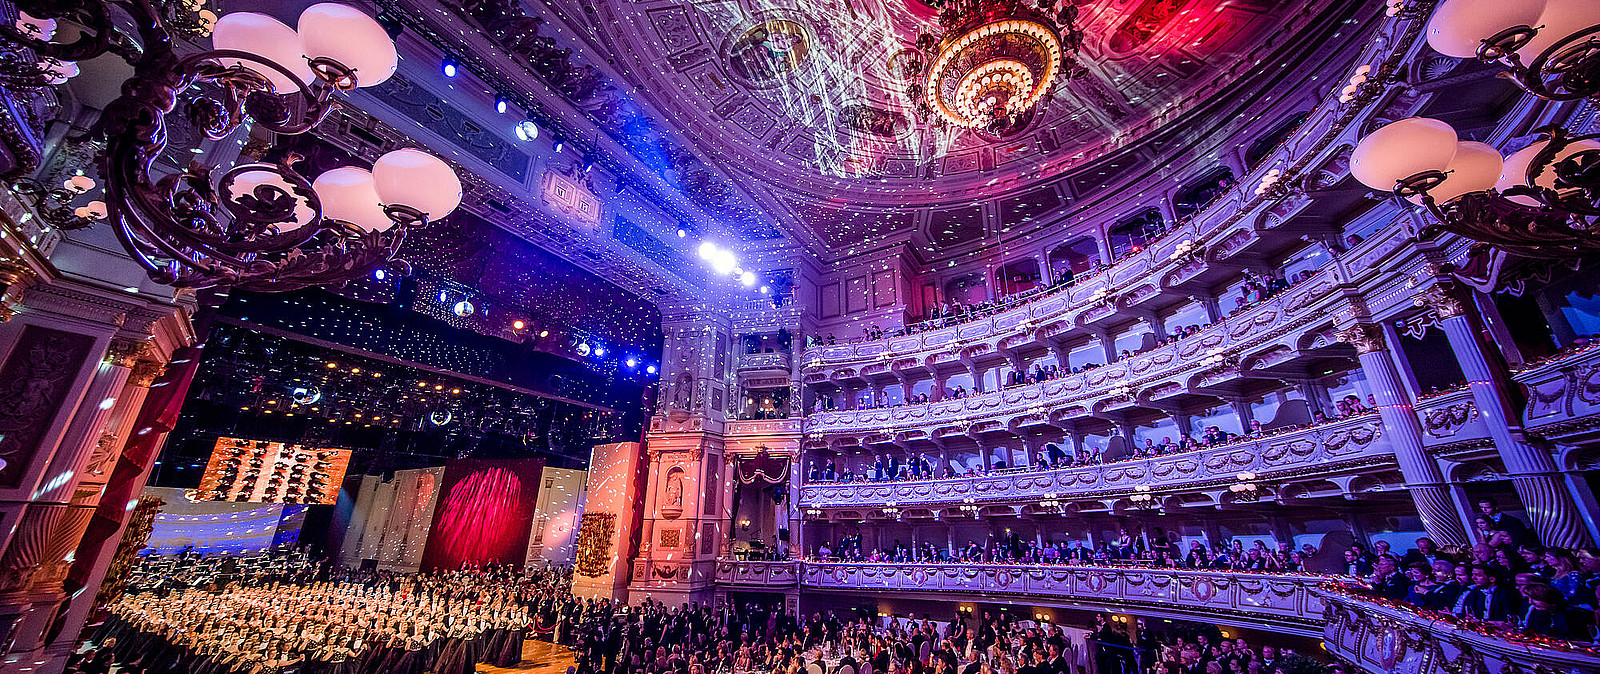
(518, 325)
(544, 333)
(633, 362)
(682, 232)
(583, 348)
(748, 279)
(765, 290)
(588, 164)
(527, 130)
(599, 352)
(449, 67)
(463, 308)
(380, 274)
(501, 104)
(651, 369)
(443, 297)
(707, 249)
(560, 145)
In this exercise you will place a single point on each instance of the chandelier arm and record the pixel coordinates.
(1578, 54)
(101, 37)
(241, 82)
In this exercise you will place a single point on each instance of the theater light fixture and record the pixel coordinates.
(1543, 201)
(260, 226)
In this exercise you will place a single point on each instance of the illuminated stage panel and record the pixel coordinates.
(263, 471)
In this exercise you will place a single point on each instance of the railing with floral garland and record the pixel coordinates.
(1282, 601)
(1338, 446)
(776, 360)
(1563, 392)
(757, 573)
(1383, 636)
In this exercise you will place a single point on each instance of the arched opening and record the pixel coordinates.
(1265, 144)
(1132, 234)
(1018, 276)
(967, 289)
(1198, 193)
(1069, 260)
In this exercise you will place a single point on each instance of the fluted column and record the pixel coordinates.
(796, 543)
(1423, 477)
(1533, 470)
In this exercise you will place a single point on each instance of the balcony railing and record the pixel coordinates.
(1382, 637)
(1270, 328)
(1564, 393)
(764, 427)
(776, 361)
(1285, 602)
(1354, 443)
(766, 574)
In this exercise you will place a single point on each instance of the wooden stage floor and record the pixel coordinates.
(538, 657)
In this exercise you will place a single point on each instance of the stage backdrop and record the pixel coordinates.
(483, 513)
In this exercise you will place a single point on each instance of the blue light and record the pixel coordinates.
(380, 274)
(527, 130)
(651, 369)
(500, 105)
(560, 145)
(599, 352)
(633, 362)
(448, 67)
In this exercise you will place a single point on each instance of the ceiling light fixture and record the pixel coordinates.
(995, 61)
(261, 226)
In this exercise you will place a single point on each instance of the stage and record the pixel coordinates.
(538, 657)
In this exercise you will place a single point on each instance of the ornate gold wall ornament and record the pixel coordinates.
(1366, 337)
(126, 352)
(145, 373)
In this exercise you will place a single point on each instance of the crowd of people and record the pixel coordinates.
(330, 623)
(1506, 579)
(1156, 550)
(651, 638)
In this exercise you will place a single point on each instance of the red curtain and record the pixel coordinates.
(484, 513)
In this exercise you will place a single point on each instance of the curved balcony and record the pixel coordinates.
(739, 573)
(1305, 462)
(1252, 343)
(1284, 602)
(1382, 637)
(1564, 395)
(1181, 260)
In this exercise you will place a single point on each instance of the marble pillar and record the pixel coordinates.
(1424, 479)
(1533, 469)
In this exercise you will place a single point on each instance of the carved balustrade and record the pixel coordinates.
(762, 427)
(762, 574)
(1563, 394)
(1452, 419)
(757, 362)
(1284, 602)
(1382, 637)
(1346, 446)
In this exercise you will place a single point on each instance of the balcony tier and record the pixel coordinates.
(1382, 637)
(1281, 602)
(1332, 454)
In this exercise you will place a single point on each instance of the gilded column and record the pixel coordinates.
(1423, 477)
(1533, 470)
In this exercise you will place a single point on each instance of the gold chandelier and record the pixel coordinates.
(995, 61)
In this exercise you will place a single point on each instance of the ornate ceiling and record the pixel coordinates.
(804, 105)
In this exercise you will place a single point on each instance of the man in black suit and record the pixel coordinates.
(1388, 581)
(1486, 600)
(1057, 664)
(1269, 658)
(1512, 526)
(1355, 564)
(847, 661)
(1426, 552)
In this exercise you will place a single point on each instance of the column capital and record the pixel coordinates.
(127, 351)
(1442, 299)
(1366, 337)
(145, 373)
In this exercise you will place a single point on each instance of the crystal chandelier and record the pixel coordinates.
(995, 61)
(258, 226)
